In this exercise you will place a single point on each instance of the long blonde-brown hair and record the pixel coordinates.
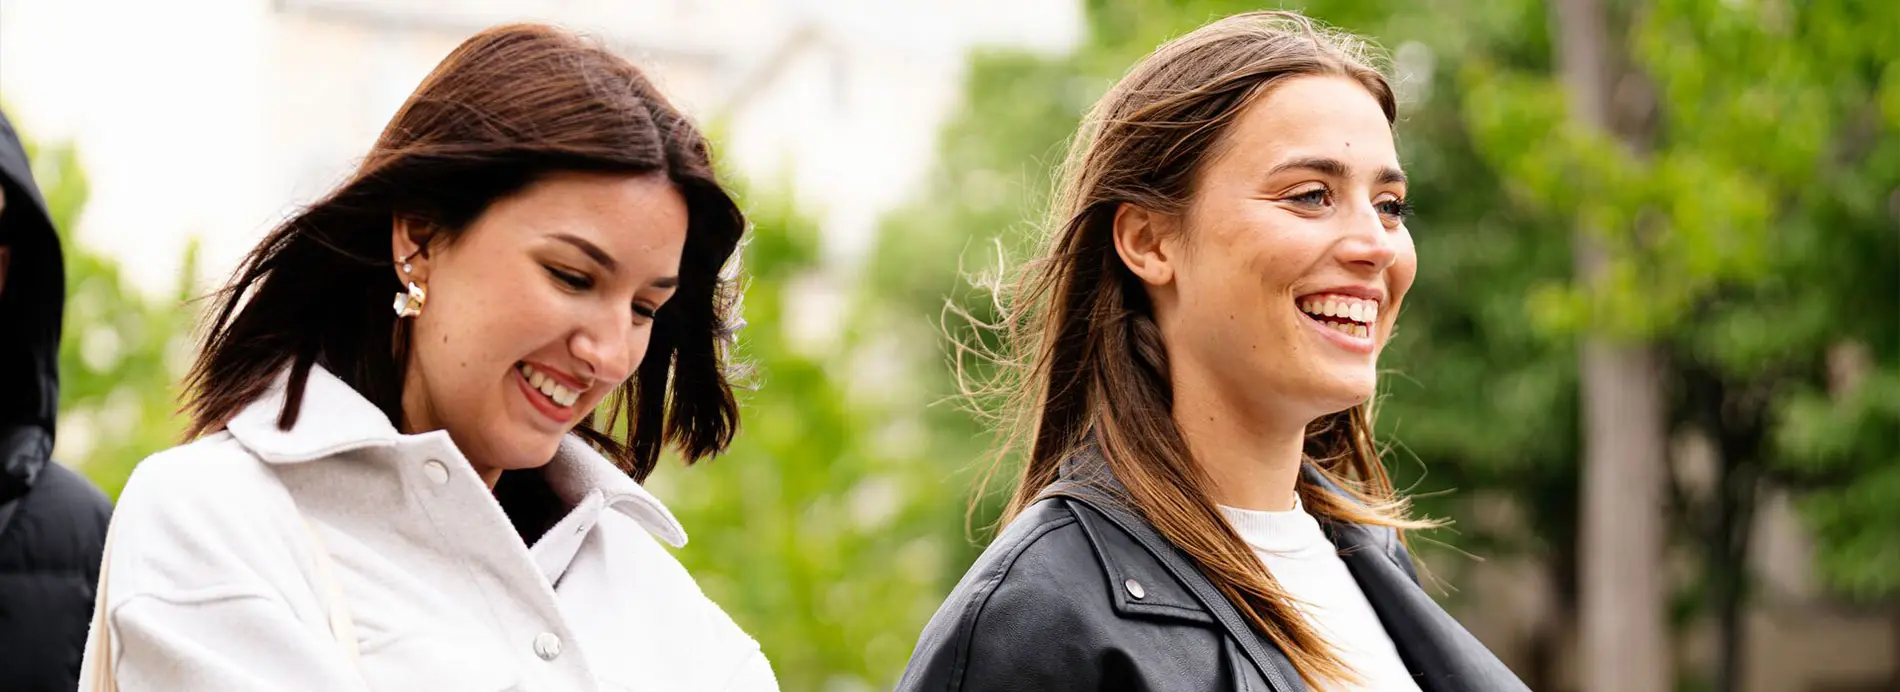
(1087, 363)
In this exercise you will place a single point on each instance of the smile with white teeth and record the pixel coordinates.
(554, 391)
(1347, 315)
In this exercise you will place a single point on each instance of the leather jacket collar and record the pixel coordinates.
(1441, 654)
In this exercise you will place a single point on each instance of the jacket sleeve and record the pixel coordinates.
(189, 596)
(1017, 623)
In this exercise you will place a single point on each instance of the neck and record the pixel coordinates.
(419, 417)
(1252, 456)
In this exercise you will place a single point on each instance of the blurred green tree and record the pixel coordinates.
(1747, 219)
(1750, 235)
(120, 352)
(822, 530)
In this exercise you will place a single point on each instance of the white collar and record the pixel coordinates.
(334, 419)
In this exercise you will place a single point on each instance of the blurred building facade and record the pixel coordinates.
(214, 118)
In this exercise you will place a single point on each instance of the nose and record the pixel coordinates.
(611, 347)
(1368, 243)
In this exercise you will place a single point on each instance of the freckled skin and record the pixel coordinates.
(495, 300)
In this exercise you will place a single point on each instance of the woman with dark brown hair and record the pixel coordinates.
(1202, 506)
(445, 495)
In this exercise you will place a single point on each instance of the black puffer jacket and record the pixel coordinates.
(52, 521)
(1080, 594)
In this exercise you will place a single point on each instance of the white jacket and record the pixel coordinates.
(212, 584)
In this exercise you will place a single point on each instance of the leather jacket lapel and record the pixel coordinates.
(1442, 655)
(1101, 493)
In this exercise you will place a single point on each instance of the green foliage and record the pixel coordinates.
(120, 353)
(823, 531)
(1745, 229)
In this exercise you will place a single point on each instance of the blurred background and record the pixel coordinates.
(1650, 369)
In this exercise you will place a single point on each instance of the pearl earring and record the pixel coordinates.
(409, 303)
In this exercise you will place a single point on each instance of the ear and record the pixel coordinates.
(1143, 239)
(409, 240)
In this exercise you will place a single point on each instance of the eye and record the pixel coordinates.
(645, 311)
(1395, 209)
(1315, 197)
(578, 282)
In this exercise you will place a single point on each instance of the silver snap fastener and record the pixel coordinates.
(1134, 589)
(547, 646)
(437, 472)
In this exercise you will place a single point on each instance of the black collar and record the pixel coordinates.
(1171, 584)
(1441, 654)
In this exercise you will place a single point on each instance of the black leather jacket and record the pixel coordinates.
(1080, 593)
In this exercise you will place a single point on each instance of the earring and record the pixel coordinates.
(409, 303)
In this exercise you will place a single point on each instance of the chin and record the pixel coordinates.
(520, 452)
(1346, 393)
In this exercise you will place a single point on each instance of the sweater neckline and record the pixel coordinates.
(1284, 532)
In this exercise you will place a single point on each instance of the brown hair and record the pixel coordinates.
(1088, 363)
(507, 107)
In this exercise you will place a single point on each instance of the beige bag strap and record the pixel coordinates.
(342, 625)
(100, 664)
(99, 646)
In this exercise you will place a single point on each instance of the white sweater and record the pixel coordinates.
(1307, 565)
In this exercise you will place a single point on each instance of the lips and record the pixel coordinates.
(1349, 315)
(556, 392)
(551, 394)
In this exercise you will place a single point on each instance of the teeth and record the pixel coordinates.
(1361, 311)
(1353, 330)
(560, 395)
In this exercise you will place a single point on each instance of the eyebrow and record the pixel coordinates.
(606, 261)
(593, 251)
(1334, 168)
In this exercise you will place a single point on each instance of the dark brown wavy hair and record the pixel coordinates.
(1085, 362)
(506, 108)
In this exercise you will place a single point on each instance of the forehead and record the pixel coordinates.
(1330, 116)
(638, 219)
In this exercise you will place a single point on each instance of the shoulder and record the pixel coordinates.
(57, 528)
(1044, 552)
(640, 565)
(214, 478)
(1037, 590)
(79, 504)
(196, 514)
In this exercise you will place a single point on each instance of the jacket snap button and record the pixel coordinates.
(437, 472)
(1134, 589)
(547, 646)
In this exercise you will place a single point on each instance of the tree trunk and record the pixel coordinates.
(1624, 639)
(1739, 428)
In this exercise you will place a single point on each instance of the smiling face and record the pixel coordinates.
(537, 311)
(1284, 276)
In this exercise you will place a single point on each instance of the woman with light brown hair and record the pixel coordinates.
(442, 492)
(1202, 505)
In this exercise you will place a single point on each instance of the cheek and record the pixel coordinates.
(481, 323)
(1404, 267)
